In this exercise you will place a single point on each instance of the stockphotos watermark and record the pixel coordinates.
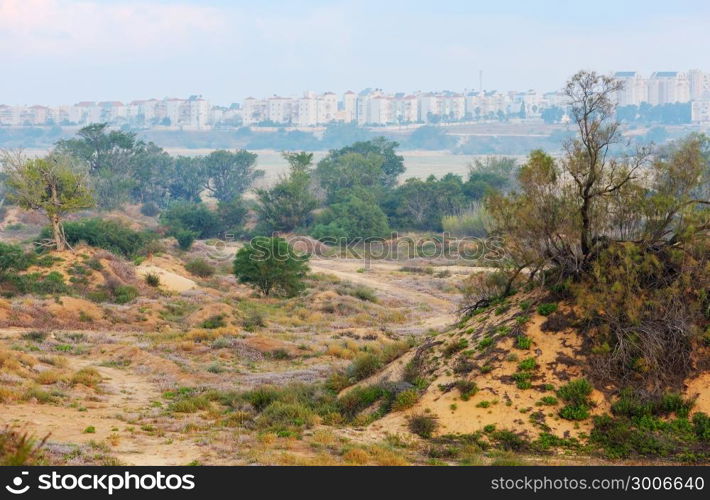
(108, 483)
(444, 246)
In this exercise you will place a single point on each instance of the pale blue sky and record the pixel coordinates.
(63, 51)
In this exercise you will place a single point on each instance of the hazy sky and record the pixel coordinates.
(63, 51)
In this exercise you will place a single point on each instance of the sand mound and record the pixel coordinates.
(208, 311)
(74, 309)
(168, 280)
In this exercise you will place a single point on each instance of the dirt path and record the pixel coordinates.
(124, 397)
(439, 311)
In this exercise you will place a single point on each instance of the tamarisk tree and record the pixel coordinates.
(53, 185)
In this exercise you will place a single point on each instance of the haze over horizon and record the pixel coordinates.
(64, 51)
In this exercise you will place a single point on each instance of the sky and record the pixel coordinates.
(64, 51)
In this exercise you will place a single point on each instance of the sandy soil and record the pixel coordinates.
(168, 280)
(125, 394)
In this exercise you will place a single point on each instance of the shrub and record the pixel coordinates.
(185, 238)
(107, 234)
(405, 399)
(548, 400)
(522, 380)
(365, 293)
(18, 449)
(454, 347)
(528, 364)
(523, 342)
(253, 320)
(196, 218)
(152, 279)
(52, 283)
(359, 398)
(423, 426)
(466, 388)
(216, 321)
(281, 414)
(90, 430)
(271, 265)
(364, 365)
(150, 209)
(508, 440)
(576, 394)
(13, 258)
(200, 267)
(89, 377)
(124, 294)
(546, 309)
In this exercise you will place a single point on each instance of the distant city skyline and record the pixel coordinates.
(64, 51)
(369, 107)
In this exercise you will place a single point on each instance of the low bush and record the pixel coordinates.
(364, 365)
(152, 279)
(423, 425)
(546, 309)
(200, 267)
(107, 234)
(405, 399)
(576, 394)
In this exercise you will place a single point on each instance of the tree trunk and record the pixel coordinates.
(57, 233)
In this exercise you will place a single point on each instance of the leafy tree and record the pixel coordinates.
(231, 215)
(121, 167)
(188, 178)
(625, 236)
(53, 185)
(351, 219)
(421, 204)
(230, 174)
(272, 266)
(340, 174)
(392, 163)
(288, 205)
(195, 217)
(110, 159)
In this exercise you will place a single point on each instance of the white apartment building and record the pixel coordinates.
(662, 87)
(700, 111)
(349, 106)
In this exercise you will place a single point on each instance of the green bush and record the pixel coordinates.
(150, 209)
(200, 267)
(194, 217)
(360, 398)
(576, 394)
(280, 415)
(185, 238)
(152, 279)
(546, 309)
(124, 294)
(405, 399)
(216, 321)
(365, 365)
(271, 265)
(466, 388)
(107, 234)
(13, 258)
(422, 425)
(523, 342)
